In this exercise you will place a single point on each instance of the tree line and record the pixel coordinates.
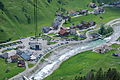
(111, 74)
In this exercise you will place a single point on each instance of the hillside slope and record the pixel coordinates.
(16, 16)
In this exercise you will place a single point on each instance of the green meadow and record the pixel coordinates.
(8, 70)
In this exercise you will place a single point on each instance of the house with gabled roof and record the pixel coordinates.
(99, 10)
(46, 29)
(102, 49)
(63, 32)
(83, 11)
(73, 31)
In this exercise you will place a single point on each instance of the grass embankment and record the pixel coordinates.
(11, 67)
(84, 62)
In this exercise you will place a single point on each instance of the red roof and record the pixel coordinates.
(72, 11)
(62, 32)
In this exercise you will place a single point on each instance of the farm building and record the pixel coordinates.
(102, 49)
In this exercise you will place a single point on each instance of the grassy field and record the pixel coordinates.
(84, 62)
(110, 13)
(12, 67)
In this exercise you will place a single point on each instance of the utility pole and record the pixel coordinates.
(35, 18)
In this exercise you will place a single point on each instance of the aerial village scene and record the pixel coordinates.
(60, 40)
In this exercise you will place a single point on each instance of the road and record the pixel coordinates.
(64, 55)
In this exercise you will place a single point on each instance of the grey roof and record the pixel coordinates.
(92, 23)
(73, 31)
(55, 25)
(116, 54)
(115, 3)
(84, 22)
(84, 10)
(72, 26)
(59, 18)
(79, 25)
(96, 11)
(25, 56)
(99, 10)
(5, 55)
(46, 29)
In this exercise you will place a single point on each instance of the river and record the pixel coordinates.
(48, 69)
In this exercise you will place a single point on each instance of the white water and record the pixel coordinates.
(49, 68)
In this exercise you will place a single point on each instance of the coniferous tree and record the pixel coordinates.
(1, 6)
(99, 75)
(111, 74)
(90, 75)
(102, 30)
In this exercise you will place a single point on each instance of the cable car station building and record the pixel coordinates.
(35, 45)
